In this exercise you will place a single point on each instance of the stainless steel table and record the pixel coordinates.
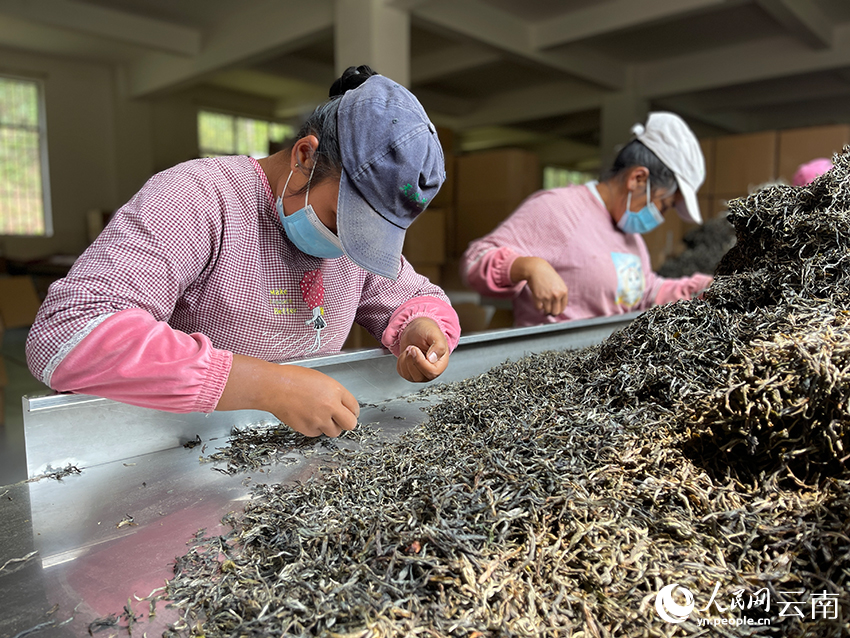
(78, 549)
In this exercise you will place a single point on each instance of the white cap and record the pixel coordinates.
(675, 144)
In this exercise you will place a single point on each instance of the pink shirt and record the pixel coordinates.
(607, 272)
(195, 267)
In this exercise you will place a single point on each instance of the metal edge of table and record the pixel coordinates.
(82, 430)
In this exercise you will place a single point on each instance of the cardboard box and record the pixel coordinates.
(708, 149)
(19, 301)
(473, 317)
(504, 175)
(448, 140)
(476, 219)
(425, 241)
(431, 271)
(710, 207)
(446, 194)
(450, 278)
(490, 185)
(801, 145)
(664, 241)
(743, 162)
(721, 200)
(502, 318)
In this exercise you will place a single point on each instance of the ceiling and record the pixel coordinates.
(533, 73)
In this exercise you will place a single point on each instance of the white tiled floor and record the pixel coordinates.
(21, 382)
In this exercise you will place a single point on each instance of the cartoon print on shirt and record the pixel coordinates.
(630, 282)
(313, 292)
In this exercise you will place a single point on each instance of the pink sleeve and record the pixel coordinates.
(487, 269)
(133, 358)
(430, 307)
(683, 288)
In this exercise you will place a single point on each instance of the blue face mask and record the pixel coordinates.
(306, 230)
(643, 220)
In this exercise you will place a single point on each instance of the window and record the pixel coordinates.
(222, 134)
(24, 183)
(554, 177)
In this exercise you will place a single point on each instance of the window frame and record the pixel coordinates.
(43, 157)
(207, 152)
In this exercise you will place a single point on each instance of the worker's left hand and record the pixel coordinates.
(424, 351)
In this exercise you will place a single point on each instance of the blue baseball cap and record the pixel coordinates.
(392, 167)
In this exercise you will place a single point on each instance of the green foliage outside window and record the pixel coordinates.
(222, 134)
(22, 160)
(554, 177)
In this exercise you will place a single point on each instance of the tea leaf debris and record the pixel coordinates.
(703, 445)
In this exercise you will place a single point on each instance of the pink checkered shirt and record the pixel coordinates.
(201, 247)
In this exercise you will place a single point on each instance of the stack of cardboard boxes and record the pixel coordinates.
(427, 240)
(736, 165)
(743, 163)
(490, 186)
(483, 188)
(19, 304)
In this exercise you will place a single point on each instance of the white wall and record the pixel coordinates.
(81, 147)
(103, 146)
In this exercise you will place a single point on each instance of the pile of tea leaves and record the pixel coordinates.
(705, 246)
(703, 448)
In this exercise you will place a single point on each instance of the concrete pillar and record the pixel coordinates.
(370, 32)
(619, 113)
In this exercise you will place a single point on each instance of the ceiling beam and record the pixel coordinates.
(615, 15)
(567, 152)
(530, 104)
(740, 64)
(405, 5)
(692, 109)
(298, 68)
(111, 24)
(463, 57)
(450, 105)
(759, 97)
(498, 29)
(478, 139)
(662, 81)
(250, 34)
(802, 18)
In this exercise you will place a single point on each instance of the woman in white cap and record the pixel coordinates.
(577, 252)
(217, 267)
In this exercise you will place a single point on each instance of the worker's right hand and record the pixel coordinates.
(306, 400)
(547, 287)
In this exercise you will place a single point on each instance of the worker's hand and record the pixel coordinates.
(547, 287)
(306, 400)
(424, 351)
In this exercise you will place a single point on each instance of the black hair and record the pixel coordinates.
(635, 153)
(322, 124)
(351, 78)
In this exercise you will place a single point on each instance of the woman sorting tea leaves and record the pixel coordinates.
(577, 252)
(218, 267)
